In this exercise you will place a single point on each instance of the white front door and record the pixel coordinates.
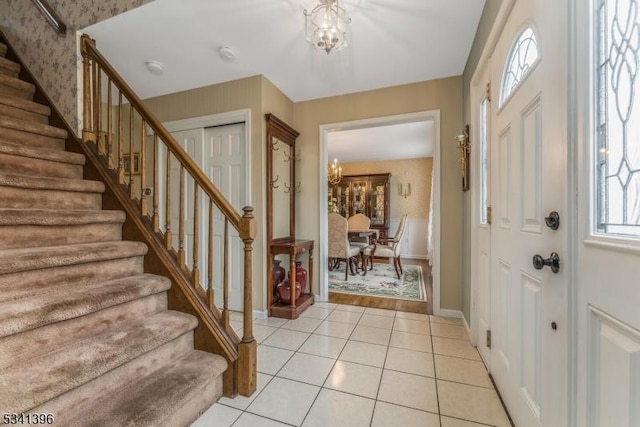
(528, 181)
(219, 152)
(608, 244)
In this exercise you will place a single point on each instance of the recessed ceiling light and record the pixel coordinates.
(155, 67)
(227, 54)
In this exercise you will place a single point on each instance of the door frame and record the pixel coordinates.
(325, 129)
(477, 84)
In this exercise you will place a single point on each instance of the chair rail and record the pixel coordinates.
(134, 144)
(52, 17)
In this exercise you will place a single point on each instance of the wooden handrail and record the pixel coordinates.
(51, 16)
(175, 148)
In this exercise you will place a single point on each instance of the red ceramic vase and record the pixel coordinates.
(279, 274)
(284, 291)
(301, 276)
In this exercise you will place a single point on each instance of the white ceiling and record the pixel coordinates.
(392, 42)
(387, 142)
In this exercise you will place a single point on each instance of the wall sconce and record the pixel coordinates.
(404, 189)
(464, 149)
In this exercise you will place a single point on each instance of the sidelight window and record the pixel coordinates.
(617, 116)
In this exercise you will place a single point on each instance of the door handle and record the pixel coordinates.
(553, 261)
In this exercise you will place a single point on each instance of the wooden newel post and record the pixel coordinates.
(88, 132)
(247, 348)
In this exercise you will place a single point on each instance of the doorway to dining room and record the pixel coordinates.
(389, 170)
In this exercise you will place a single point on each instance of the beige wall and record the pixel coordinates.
(442, 94)
(260, 96)
(52, 58)
(418, 173)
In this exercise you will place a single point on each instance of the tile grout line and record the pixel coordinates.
(435, 373)
(375, 403)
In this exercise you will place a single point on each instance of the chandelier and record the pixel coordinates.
(325, 26)
(334, 173)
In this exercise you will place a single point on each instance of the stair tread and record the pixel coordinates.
(8, 147)
(33, 127)
(16, 83)
(9, 65)
(30, 383)
(49, 183)
(59, 303)
(152, 399)
(24, 259)
(23, 104)
(59, 216)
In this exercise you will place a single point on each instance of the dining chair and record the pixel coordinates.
(359, 222)
(339, 246)
(388, 247)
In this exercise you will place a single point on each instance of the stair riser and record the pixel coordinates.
(33, 343)
(136, 368)
(22, 198)
(3, 50)
(18, 92)
(71, 274)
(6, 110)
(31, 139)
(32, 236)
(38, 167)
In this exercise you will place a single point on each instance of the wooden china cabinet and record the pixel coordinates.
(365, 194)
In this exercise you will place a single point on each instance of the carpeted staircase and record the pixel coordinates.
(85, 334)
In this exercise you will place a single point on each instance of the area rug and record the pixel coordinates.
(382, 282)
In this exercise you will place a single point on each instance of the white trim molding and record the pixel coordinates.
(325, 129)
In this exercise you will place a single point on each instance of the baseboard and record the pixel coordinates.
(445, 312)
(422, 257)
(456, 314)
(257, 314)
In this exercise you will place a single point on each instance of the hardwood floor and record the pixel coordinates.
(392, 303)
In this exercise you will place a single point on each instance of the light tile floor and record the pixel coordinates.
(341, 365)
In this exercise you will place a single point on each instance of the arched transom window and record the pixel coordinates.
(522, 57)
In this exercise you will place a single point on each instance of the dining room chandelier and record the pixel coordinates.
(325, 26)
(334, 173)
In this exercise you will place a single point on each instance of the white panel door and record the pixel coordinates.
(220, 153)
(608, 246)
(528, 180)
(224, 164)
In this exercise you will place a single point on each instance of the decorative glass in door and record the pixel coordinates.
(377, 202)
(359, 197)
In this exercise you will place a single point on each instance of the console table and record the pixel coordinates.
(292, 248)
